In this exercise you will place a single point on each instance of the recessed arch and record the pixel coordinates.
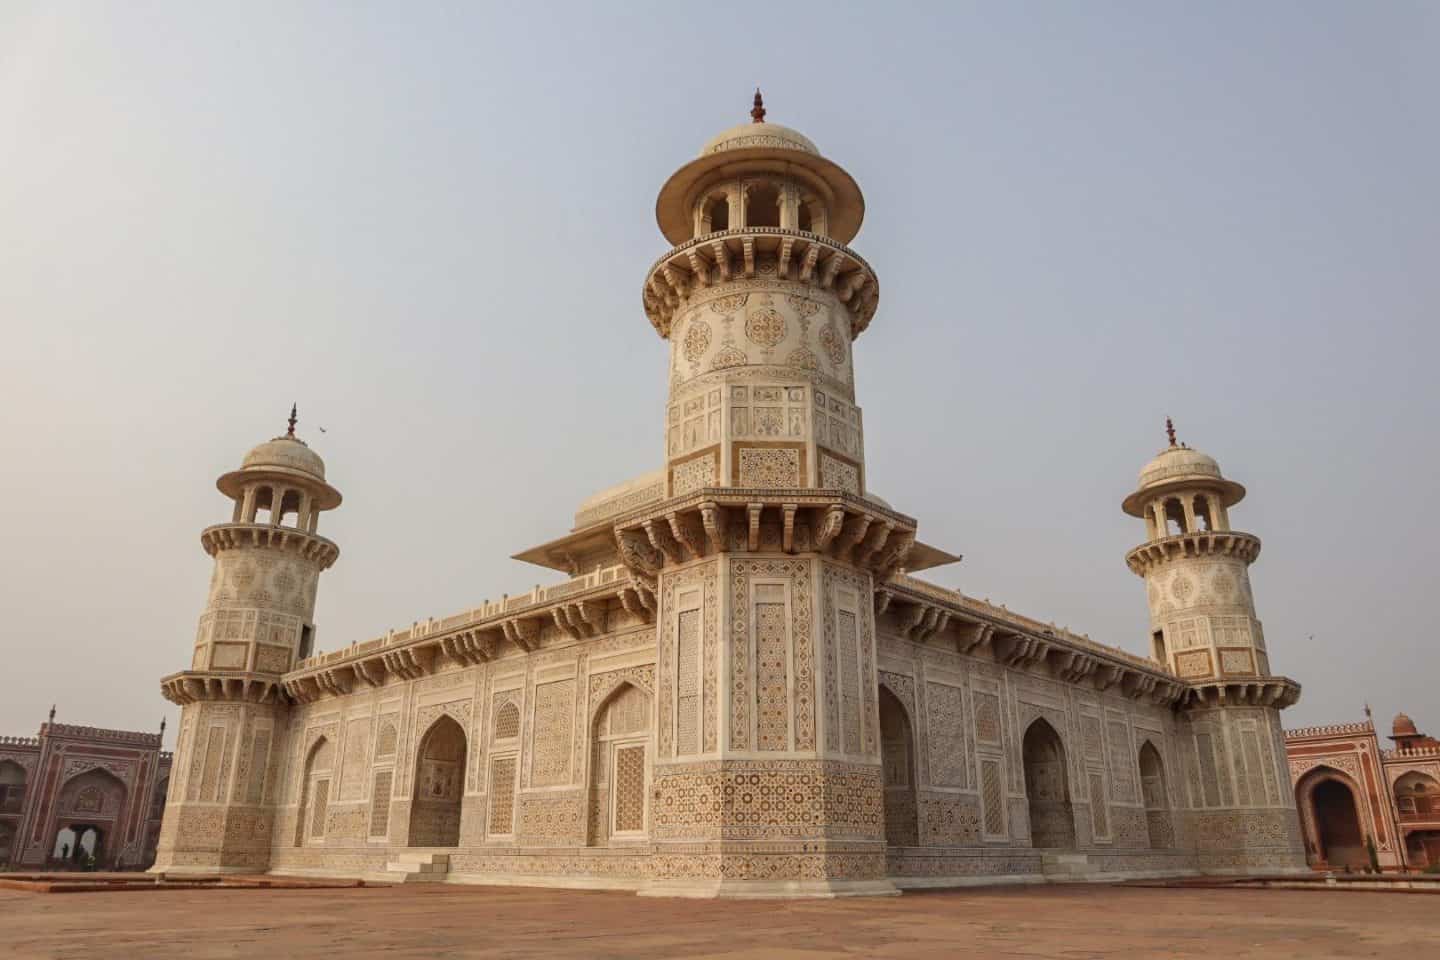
(762, 204)
(439, 785)
(314, 805)
(1047, 787)
(897, 765)
(1155, 792)
(1330, 802)
(619, 771)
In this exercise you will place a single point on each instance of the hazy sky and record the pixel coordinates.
(430, 224)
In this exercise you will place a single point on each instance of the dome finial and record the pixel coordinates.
(292, 421)
(757, 112)
(1170, 430)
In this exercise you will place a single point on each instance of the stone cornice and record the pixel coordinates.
(1216, 543)
(191, 686)
(828, 522)
(1276, 692)
(731, 255)
(931, 614)
(228, 536)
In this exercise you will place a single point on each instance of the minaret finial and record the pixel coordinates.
(1170, 430)
(52, 713)
(1367, 711)
(757, 112)
(292, 421)
(162, 728)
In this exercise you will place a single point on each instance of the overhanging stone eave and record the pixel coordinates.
(555, 554)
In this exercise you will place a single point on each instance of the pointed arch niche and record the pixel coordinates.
(897, 764)
(439, 784)
(1047, 788)
(315, 793)
(1157, 798)
(619, 768)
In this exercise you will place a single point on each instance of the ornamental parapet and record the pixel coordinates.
(930, 614)
(1331, 730)
(1414, 753)
(193, 686)
(229, 536)
(75, 732)
(729, 255)
(1276, 692)
(484, 633)
(832, 523)
(1214, 543)
(7, 741)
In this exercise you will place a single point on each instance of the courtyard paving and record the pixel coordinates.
(462, 921)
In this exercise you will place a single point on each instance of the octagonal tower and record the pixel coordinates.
(1205, 631)
(766, 547)
(1196, 568)
(257, 623)
(761, 300)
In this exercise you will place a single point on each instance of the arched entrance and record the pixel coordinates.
(90, 804)
(1339, 840)
(439, 786)
(314, 805)
(76, 845)
(897, 764)
(1047, 788)
(1157, 799)
(619, 767)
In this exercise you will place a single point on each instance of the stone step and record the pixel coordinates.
(421, 856)
(417, 867)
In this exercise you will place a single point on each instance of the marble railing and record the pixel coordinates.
(1331, 730)
(74, 732)
(488, 610)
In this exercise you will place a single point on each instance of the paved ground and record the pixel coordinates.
(456, 921)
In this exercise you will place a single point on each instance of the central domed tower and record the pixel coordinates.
(761, 300)
(765, 549)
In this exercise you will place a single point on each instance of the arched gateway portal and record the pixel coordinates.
(1337, 823)
(1052, 820)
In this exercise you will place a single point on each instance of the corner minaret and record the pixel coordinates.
(1196, 569)
(258, 622)
(1203, 628)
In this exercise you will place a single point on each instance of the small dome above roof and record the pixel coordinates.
(1178, 462)
(1403, 726)
(285, 455)
(759, 147)
(1179, 465)
(747, 135)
